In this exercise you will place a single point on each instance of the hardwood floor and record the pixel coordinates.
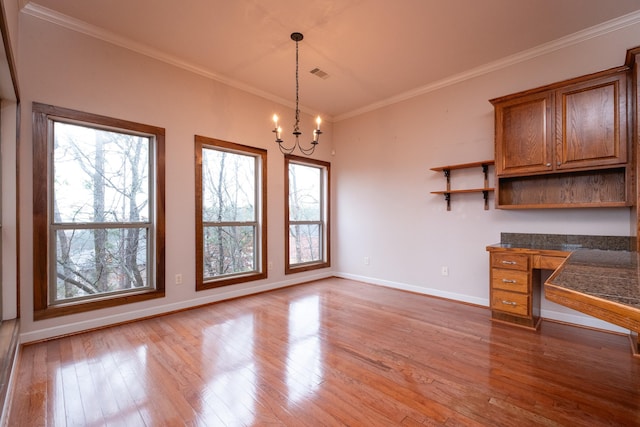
(333, 352)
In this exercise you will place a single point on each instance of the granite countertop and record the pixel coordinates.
(609, 275)
(564, 242)
(533, 246)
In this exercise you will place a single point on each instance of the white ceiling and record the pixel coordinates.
(374, 51)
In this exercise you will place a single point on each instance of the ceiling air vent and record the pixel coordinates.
(318, 72)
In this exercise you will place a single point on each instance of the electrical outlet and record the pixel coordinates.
(270, 265)
(444, 270)
(178, 279)
(367, 261)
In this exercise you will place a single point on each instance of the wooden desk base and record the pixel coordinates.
(609, 311)
(634, 337)
(506, 319)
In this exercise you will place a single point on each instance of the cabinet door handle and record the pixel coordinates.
(548, 165)
(513, 303)
(509, 262)
(509, 281)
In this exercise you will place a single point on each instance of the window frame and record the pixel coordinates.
(260, 272)
(44, 117)
(325, 168)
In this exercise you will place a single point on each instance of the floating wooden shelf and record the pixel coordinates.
(464, 166)
(470, 190)
(447, 173)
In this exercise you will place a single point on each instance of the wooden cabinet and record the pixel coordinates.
(591, 123)
(565, 145)
(515, 285)
(512, 295)
(523, 136)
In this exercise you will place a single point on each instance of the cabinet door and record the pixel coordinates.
(523, 134)
(591, 123)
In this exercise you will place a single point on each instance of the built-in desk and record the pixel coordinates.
(515, 281)
(603, 284)
(596, 275)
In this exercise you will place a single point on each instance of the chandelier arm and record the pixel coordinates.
(308, 151)
(285, 150)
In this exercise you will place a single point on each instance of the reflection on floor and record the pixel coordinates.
(332, 352)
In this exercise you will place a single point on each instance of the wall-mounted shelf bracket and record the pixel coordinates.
(446, 170)
(485, 195)
(447, 175)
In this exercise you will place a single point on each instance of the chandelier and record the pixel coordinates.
(297, 37)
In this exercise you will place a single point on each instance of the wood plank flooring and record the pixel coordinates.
(329, 353)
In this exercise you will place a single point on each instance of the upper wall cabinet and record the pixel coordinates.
(523, 135)
(566, 144)
(577, 125)
(591, 123)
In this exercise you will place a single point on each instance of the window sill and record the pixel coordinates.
(306, 267)
(212, 284)
(82, 307)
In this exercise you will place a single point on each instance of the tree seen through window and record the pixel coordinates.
(100, 210)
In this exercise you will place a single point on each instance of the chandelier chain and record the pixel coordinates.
(296, 128)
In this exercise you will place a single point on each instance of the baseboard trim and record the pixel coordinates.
(416, 289)
(99, 322)
(570, 319)
(106, 321)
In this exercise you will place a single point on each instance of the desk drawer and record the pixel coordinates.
(510, 280)
(546, 262)
(510, 302)
(510, 261)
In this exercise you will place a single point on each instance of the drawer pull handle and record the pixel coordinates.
(513, 303)
(509, 262)
(509, 281)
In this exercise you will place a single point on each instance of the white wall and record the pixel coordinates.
(60, 67)
(386, 211)
(381, 177)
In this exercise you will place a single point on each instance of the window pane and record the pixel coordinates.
(304, 243)
(99, 176)
(99, 261)
(304, 193)
(228, 186)
(229, 250)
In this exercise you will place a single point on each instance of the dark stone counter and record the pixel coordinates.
(609, 275)
(565, 242)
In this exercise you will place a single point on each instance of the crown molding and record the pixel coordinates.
(83, 27)
(543, 49)
(546, 48)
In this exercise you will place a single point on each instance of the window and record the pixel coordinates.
(98, 211)
(231, 200)
(307, 219)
